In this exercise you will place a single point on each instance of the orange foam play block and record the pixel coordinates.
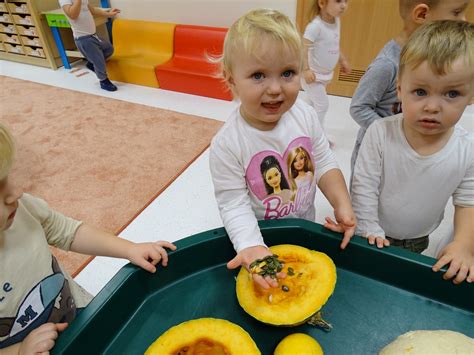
(190, 70)
(139, 47)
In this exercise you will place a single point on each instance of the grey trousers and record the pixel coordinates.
(416, 245)
(96, 51)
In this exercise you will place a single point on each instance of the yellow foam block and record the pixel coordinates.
(139, 47)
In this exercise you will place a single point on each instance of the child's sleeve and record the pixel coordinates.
(464, 194)
(312, 32)
(372, 87)
(324, 158)
(366, 183)
(231, 192)
(58, 229)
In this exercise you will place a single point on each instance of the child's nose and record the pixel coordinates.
(432, 105)
(274, 87)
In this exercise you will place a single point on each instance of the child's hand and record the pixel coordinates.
(309, 76)
(345, 223)
(42, 339)
(461, 262)
(112, 12)
(345, 66)
(147, 255)
(381, 242)
(247, 256)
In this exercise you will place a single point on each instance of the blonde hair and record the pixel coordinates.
(247, 32)
(7, 150)
(405, 6)
(439, 43)
(308, 165)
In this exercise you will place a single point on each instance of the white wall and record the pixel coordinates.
(217, 13)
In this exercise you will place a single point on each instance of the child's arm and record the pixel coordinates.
(372, 87)
(308, 74)
(73, 11)
(331, 182)
(235, 207)
(344, 63)
(97, 11)
(92, 241)
(39, 341)
(460, 252)
(333, 186)
(365, 187)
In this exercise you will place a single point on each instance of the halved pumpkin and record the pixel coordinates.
(311, 278)
(298, 343)
(209, 336)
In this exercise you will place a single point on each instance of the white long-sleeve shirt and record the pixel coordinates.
(236, 156)
(398, 193)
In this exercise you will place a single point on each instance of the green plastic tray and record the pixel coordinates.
(379, 295)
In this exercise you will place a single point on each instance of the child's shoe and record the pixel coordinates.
(90, 66)
(106, 84)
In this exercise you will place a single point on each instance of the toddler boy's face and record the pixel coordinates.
(267, 82)
(432, 104)
(449, 10)
(9, 196)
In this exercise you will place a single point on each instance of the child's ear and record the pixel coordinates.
(399, 92)
(419, 13)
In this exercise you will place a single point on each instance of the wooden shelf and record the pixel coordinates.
(24, 34)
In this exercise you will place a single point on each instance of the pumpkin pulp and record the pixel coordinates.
(203, 346)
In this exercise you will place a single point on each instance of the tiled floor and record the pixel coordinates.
(185, 209)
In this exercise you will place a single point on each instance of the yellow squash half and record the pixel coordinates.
(311, 278)
(208, 336)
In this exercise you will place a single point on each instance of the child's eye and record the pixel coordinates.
(457, 13)
(452, 94)
(257, 76)
(420, 92)
(288, 73)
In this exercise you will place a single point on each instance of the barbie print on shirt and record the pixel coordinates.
(283, 184)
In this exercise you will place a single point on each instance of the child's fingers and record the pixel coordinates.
(445, 259)
(60, 327)
(462, 274)
(148, 266)
(386, 242)
(162, 255)
(259, 280)
(371, 239)
(235, 262)
(470, 277)
(453, 269)
(379, 242)
(165, 244)
(347, 238)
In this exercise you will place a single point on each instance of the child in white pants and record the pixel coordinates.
(322, 52)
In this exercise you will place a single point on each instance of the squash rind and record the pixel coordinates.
(231, 335)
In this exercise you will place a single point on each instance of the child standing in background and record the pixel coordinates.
(262, 62)
(410, 164)
(322, 52)
(38, 298)
(95, 49)
(376, 94)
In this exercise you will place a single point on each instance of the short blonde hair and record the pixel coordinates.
(405, 6)
(439, 43)
(7, 150)
(247, 32)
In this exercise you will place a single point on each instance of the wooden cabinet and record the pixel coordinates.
(24, 34)
(365, 28)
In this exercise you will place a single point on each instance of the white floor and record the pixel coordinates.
(184, 209)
